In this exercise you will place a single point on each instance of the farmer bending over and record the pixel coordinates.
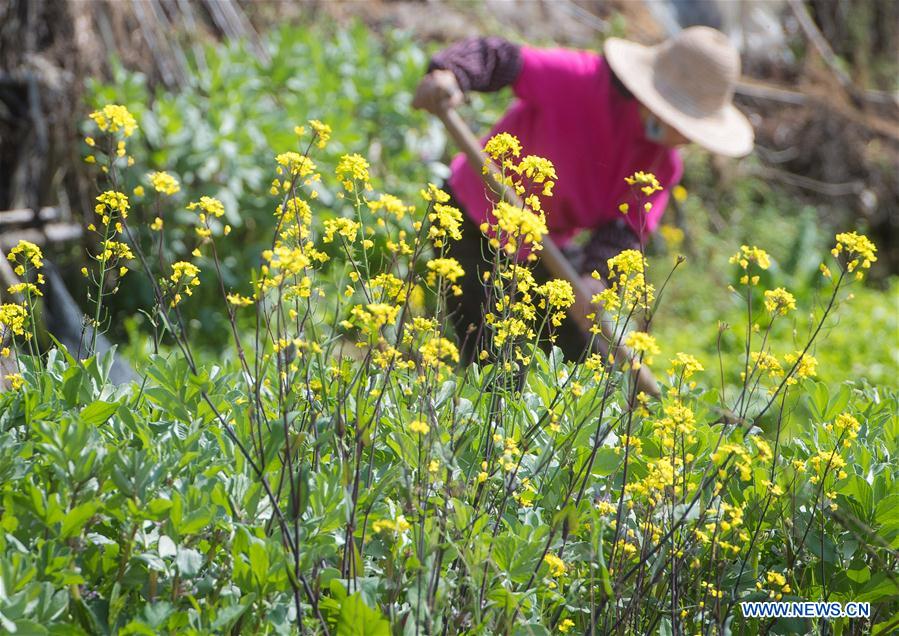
(599, 119)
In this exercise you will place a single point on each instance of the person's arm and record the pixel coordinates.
(478, 64)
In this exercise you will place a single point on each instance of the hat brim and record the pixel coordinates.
(726, 132)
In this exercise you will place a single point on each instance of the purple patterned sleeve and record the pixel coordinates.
(480, 64)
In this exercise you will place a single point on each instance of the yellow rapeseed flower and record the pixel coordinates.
(352, 168)
(164, 183)
(646, 180)
(779, 301)
(207, 205)
(502, 145)
(113, 118)
(858, 251)
(322, 132)
(556, 565)
(12, 319)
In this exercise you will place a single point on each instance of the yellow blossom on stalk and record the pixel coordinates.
(238, 300)
(686, 363)
(115, 250)
(825, 460)
(344, 227)
(437, 351)
(111, 202)
(351, 168)
(373, 316)
(447, 269)
(748, 255)
(519, 225)
(779, 301)
(390, 287)
(419, 426)
(433, 194)
(557, 294)
(184, 275)
(646, 180)
(16, 381)
(26, 253)
(398, 526)
(156, 225)
(21, 288)
(845, 427)
(556, 565)
(295, 164)
(642, 342)
(538, 170)
(807, 366)
(12, 319)
(630, 444)
(391, 205)
(164, 183)
(766, 363)
(566, 625)
(446, 222)
(113, 118)
(502, 145)
(322, 132)
(627, 276)
(858, 251)
(207, 205)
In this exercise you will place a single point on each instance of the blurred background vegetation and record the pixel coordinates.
(219, 85)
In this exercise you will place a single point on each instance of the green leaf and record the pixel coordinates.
(358, 619)
(98, 412)
(259, 561)
(228, 616)
(77, 517)
(189, 561)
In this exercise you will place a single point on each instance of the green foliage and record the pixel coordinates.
(220, 132)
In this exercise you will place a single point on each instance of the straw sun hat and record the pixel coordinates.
(688, 82)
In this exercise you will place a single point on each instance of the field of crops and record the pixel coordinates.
(302, 452)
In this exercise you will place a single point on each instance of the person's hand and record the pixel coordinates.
(437, 90)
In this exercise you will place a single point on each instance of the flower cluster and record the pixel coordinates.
(13, 320)
(518, 226)
(164, 183)
(858, 251)
(628, 287)
(779, 301)
(207, 209)
(557, 295)
(114, 118)
(447, 269)
(646, 181)
(184, 278)
(748, 256)
(352, 169)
